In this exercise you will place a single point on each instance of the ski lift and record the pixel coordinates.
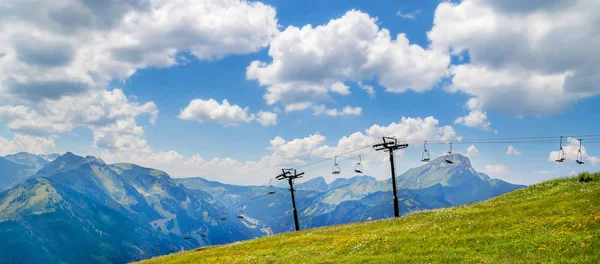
(449, 158)
(561, 152)
(271, 188)
(187, 236)
(358, 166)
(204, 233)
(336, 168)
(579, 158)
(223, 215)
(241, 213)
(425, 155)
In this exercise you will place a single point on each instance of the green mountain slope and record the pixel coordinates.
(54, 224)
(554, 221)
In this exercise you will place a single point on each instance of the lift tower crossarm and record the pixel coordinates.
(390, 144)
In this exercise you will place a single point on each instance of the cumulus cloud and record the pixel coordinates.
(408, 129)
(307, 61)
(69, 47)
(341, 88)
(206, 111)
(296, 149)
(58, 58)
(496, 169)
(266, 118)
(285, 152)
(109, 114)
(525, 57)
(211, 111)
(472, 152)
(347, 110)
(475, 119)
(31, 144)
(512, 151)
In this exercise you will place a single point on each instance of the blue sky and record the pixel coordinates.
(141, 90)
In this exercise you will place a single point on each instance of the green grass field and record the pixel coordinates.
(554, 221)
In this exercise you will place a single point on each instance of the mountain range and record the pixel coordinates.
(68, 208)
(433, 185)
(81, 210)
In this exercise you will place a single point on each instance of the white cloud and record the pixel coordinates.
(297, 106)
(266, 118)
(367, 88)
(472, 152)
(512, 151)
(347, 110)
(571, 148)
(410, 15)
(285, 153)
(307, 61)
(58, 58)
(496, 169)
(475, 119)
(68, 47)
(593, 160)
(526, 57)
(109, 114)
(408, 129)
(341, 88)
(206, 111)
(211, 111)
(296, 149)
(31, 144)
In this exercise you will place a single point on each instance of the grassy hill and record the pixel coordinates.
(554, 221)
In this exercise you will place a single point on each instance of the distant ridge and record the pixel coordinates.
(16, 168)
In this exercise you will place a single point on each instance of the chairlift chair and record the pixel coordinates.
(579, 159)
(425, 155)
(336, 168)
(223, 215)
(271, 188)
(241, 213)
(203, 233)
(358, 166)
(449, 158)
(561, 153)
(187, 236)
